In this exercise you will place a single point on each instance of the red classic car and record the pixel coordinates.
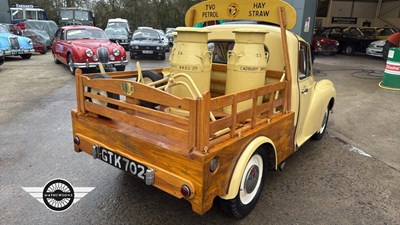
(87, 47)
(324, 45)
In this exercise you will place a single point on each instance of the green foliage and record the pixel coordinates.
(152, 13)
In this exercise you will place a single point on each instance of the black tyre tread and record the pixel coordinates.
(26, 56)
(109, 94)
(68, 59)
(44, 50)
(154, 77)
(234, 207)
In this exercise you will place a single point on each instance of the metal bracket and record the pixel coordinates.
(127, 88)
(95, 151)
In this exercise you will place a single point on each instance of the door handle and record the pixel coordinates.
(304, 90)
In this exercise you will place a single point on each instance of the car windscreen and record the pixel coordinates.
(81, 15)
(117, 25)
(146, 35)
(86, 34)
(116, 31)
(67, 14)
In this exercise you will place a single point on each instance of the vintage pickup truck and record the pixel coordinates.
(235, 102)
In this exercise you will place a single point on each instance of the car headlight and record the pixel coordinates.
(136, 47)
(337, 43)
(30, 42)
(95, 58)
(116, 52)
(89, 52)
(112, 58)
(318, 43)
(158, 47)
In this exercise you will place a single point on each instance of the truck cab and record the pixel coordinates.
(235, 102)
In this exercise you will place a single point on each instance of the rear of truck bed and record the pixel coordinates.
(171, 151)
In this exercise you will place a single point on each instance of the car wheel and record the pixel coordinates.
(103, 93)
(55, 59)
(120, 68)
(320, 133)
(349, 50)
(26, 56)
(71, 64)
(250, 188)
(44, 50)
(148, 77)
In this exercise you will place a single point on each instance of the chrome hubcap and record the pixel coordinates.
(251, 179)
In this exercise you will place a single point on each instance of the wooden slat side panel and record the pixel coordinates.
(274, 96)
(220, 124)
(144, 110)
(274, 74)
(220, 102)
(171, 132)
(140, 91)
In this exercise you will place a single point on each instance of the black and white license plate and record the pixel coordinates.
(147, 52)
(123, 163)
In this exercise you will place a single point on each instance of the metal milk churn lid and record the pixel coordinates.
(247, 64)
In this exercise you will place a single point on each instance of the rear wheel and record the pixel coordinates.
(250, 188)
(103, 93)
(55, 59)
(349, 50)
(149, 77)
(44, 50)
(26, 56)
(71, 64)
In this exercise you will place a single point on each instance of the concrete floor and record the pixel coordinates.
(365, 115)
(325, 182)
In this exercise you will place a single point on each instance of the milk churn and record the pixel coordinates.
(190, 55)
(247, 64)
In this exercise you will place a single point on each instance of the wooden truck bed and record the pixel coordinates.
(180, 148)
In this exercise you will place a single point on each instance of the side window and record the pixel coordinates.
(304, 61)
(59, 34)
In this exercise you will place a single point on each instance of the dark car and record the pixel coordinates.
(324, 45)
(351, 39)
(147, 43)
(118, 35)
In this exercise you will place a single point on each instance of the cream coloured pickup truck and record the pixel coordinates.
(235, 102)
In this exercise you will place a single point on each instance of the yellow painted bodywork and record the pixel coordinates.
(309, 111)
(241, 165)
(266, 11)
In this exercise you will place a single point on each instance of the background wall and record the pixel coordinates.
(364, 11)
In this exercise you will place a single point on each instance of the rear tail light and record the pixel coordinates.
(185, 191)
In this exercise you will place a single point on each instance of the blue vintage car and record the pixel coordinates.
(14, 44)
